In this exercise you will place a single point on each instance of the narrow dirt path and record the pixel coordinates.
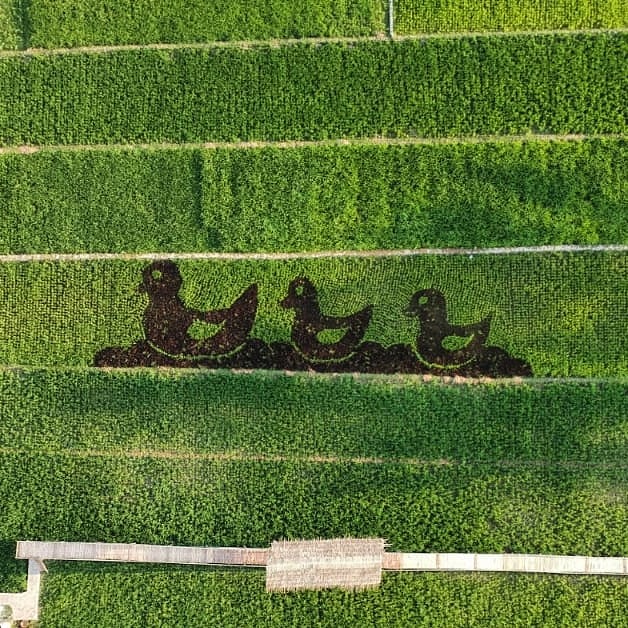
(243, 456)
(29, 149)
(375, 253)
(277, 43)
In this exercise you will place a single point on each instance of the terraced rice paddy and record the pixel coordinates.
(187, 128)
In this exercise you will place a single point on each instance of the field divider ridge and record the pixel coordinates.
(162, 454)
(374, 253)
(29, 149)
(278, 43)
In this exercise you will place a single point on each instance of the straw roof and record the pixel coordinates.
(322, 564)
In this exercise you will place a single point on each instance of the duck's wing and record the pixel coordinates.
(244, 307)
(357, 321)
(478, 332)
(456, 342)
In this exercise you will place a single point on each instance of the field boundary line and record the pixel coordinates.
(383, 37)
(29, 149)
(366, 254)
(363, 378)
(242, 456)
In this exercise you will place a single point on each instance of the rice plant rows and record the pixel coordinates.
(60, 23)
(91, 22)
(163, 499)
(140, 596)
(564, 314)
(261, 414)
(387, 196)
(123, 461)
(438, 87)
(418, 16)
(318, 197)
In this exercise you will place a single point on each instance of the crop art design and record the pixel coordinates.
(319, 341)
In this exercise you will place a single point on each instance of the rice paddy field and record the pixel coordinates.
(158, 159)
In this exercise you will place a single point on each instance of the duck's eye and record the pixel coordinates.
(299, 291)
(423, 300)
(156, 274)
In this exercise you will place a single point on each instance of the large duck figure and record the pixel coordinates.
(430, 307)
(167, 320)
(310, 322)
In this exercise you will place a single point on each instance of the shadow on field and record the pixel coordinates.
(12, 571)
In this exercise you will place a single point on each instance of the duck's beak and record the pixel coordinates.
(287, 302)
(411, 311)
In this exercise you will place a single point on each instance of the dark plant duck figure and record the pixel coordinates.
(167, 320)
(309, 323)
(430, 307)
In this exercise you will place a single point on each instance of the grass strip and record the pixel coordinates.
(63, 23)
(433, 16)
(181, 414)
(315, 198)
(439, 87)
(562, 313)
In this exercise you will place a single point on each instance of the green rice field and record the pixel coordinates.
(425, 599)
(257, 142)
(193, 458)
(567, 83)
(315, 197)
(393, 418)
(563, 313)
(57, 23)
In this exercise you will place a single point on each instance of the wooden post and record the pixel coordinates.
(391, 18)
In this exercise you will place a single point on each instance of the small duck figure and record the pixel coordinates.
(167, 319)
(309, 322)
(429, 305)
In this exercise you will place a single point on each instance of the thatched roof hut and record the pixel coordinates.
(345, 563)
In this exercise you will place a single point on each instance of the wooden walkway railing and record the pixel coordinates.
(137, 553)
(311, 563)
(253, 557)
(525, 563)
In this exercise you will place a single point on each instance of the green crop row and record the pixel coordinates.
(437, 87)
(313, 198)
(55, 23)
(455, 195)
(159, 595)
(249, 414)
(562, 313)
(194, 500)
(419, 16)
(10, 25)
